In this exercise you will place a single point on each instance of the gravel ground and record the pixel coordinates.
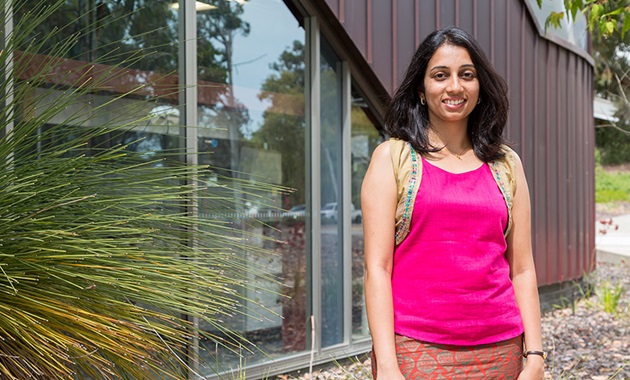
(586, 342)
(583, 340)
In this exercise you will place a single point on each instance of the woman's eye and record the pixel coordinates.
(440, 76)
(468, 75)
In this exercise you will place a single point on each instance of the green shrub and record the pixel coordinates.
(107, 270)
(614, 146)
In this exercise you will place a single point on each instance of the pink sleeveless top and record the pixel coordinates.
(451, 280)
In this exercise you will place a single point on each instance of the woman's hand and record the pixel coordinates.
(534, 369)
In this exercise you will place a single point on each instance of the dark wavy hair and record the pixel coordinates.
(408, 120)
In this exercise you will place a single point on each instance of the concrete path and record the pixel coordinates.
(615, 244)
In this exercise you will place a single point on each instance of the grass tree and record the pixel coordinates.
(106, 271)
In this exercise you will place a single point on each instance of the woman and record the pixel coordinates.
(450, 284)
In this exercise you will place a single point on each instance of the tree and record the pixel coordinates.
(218, 29)
(112, 30)
(612, 82)
(608, 17)
(283, 128)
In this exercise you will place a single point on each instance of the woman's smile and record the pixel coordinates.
(454, 103)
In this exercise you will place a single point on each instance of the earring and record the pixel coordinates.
(423, 101)
(479, 100)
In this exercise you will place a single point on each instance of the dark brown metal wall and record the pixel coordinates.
(551, 123)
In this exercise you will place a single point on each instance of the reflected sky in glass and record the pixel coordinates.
(271, 25)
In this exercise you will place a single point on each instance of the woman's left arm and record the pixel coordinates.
(523, 273)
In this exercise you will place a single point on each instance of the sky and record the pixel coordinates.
(273, 28)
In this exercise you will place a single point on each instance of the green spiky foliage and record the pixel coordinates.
(106, 272)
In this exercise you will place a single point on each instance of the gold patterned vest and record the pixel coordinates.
(408, 173)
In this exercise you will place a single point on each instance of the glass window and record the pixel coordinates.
(331, 194)
(112, 35)
(251, 119)
(251, 127)
(138, 104)
(365, 138)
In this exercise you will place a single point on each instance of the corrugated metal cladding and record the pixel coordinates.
(551, 124)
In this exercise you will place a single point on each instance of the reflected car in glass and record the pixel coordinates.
(295, 212)
(329, 213)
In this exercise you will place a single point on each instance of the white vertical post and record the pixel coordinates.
(313, 109)
(346, 170)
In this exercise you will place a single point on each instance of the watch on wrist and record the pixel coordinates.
(543, 354)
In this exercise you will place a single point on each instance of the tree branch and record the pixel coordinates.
(614, 126)
(621, 89)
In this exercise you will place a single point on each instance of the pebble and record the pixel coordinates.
(586, 342)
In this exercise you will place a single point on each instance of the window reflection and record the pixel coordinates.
(252, 127)
(331, 195)
(141, 38)
(365, 138)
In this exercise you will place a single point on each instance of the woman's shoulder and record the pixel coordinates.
(390, 147)
(397, 146)
(510, 156)
(380, 167)
(506, 149)
(382, 150)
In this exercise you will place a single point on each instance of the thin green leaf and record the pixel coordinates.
(99, 274)
(626, 25)
(574, 9)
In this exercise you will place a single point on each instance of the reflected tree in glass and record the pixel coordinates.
(216, 30)
(284, 126)
(283, 131)
(117, 29)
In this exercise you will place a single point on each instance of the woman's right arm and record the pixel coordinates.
(378, 205)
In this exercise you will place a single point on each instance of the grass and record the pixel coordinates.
(609, 296)
(612, 186)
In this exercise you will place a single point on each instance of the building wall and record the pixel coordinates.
(551, 91)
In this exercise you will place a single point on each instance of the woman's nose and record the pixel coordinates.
(454, 84)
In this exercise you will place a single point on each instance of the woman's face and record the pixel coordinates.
(451, 86)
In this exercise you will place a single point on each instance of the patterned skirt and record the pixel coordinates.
(421, 360)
